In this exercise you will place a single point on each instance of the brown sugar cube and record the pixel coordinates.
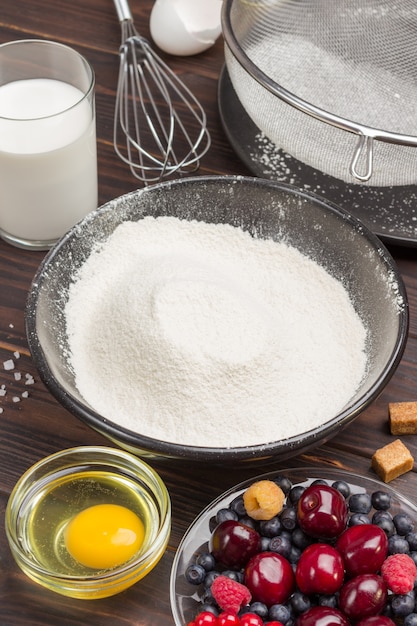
(392, 460)
(403, 418)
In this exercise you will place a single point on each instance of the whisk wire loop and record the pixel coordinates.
(150, 101)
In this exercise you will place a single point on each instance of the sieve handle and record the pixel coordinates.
(364, 147)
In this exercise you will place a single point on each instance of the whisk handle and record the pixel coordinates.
(123, 10)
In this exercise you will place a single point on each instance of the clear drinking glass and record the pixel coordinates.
(48, 151)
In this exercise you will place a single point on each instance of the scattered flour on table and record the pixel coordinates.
(200, 334)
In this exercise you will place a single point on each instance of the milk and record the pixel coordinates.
(48, 163)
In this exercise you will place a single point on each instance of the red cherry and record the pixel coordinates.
(363, 596)
(233, 543)
(320, 569)
(376, 620)
(322, 512)
(364, 548)
(270, 578)
(228, 619)
(205, 618)
(322, 616)
(251, 619)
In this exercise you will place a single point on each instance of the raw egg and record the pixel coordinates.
(185, 27)
(104, 536)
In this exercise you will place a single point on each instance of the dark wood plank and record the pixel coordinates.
(38, 425)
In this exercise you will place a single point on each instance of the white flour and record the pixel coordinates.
(199, 334)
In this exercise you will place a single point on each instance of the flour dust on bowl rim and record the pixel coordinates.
(260, 210)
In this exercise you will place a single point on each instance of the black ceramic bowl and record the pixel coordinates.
(327, 234)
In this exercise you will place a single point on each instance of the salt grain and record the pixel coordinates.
(8, 365)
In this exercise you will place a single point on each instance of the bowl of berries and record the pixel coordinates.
(303, 547)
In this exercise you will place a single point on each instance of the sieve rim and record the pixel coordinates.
(365, 132)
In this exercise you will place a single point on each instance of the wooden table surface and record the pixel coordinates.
(37, 425)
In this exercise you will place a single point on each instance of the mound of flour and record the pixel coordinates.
(199, 334)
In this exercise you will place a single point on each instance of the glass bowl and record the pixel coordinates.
(185, 596)
(265, 209)
(53, 491)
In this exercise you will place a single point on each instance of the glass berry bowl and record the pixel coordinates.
(186, 598)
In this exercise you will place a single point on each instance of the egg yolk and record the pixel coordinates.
(104, 536)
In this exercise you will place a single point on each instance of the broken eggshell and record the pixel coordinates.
(185, 27)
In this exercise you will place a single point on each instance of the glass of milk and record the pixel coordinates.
(48, 151)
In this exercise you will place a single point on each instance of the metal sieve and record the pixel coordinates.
(333, 85)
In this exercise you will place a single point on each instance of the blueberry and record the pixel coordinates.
(300, 602)
(330, 601)
(359, 518)
(413, 555)
(207, 561)
(271, 527)
(300, 539)
(265, 544)
(288, 518)
(279, 613)
(343, 487)
(294, 555)
(287, 534)
(233, 575)
(284, 483)
(411, 620)
(402, 605)
(210, 576)
(210, 608)
(244, 609)
(403, 524)
(224, 514)
(381, 500)
(207, 597)
(248, 521)
(398, 545)
(237, 505)
(195, 574)
(281, 545)
(384, 520)
(319, 481)
(412, 540)
(259, 608)
(295, 493)
(360, 503)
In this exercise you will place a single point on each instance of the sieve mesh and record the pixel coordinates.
(334, 86)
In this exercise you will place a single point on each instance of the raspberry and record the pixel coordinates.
(263, 500)
(399, 573)
(229, 594)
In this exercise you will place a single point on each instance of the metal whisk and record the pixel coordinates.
(150, 104)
